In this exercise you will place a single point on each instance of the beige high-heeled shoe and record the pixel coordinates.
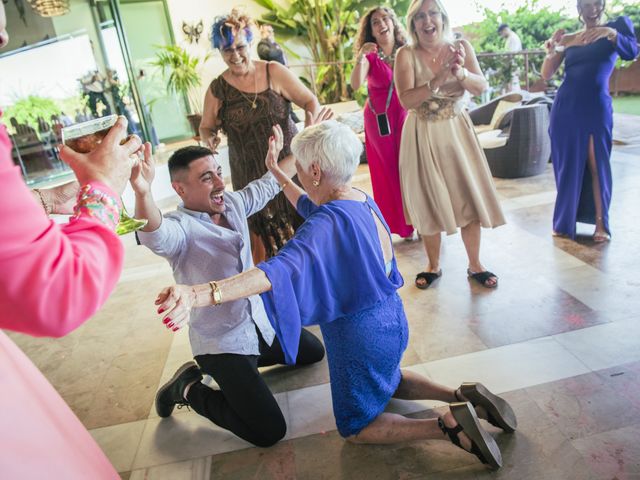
(600, 236)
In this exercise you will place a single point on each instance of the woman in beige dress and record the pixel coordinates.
(444, 176)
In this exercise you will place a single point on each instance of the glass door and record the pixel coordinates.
(146, 25)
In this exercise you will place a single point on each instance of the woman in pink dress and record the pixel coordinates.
(52, 279)
(378, 38)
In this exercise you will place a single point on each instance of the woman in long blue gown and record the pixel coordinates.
(339, 271)
(582, 118)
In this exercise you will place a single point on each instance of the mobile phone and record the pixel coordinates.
(384, 129)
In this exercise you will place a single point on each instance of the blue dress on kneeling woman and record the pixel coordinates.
(582, 109)
(332, 273)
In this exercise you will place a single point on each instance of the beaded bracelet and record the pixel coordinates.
(93, 202)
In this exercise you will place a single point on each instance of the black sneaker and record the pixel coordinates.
(170, 394)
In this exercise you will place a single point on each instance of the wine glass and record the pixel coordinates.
(83, 138)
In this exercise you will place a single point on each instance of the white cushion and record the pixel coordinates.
(482, 128)
(501, 110)
(491, 139)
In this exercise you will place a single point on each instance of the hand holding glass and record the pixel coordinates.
(83, 138)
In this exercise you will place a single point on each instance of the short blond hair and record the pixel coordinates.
(413, 11)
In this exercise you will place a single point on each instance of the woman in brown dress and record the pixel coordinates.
(245, 102)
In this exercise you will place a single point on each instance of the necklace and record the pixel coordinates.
(255, 94)
(388, 59)
(433, 57)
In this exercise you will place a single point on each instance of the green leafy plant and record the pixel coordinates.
(533, 24)
(327, 28)
(28, 109)
(181, 70)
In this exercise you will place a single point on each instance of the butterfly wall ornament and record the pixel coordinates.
(192, 32)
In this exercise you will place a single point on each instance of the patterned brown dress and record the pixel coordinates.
(248, 130)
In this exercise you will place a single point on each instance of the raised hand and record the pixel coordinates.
(457, 66)
(366, 49)
(213, 142)
(276, 142)
(460, 54)
(325, 113)
(446, 56)
(174, 305)
(556, 38)
(143, 173)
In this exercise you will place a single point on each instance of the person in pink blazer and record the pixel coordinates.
(52, 279)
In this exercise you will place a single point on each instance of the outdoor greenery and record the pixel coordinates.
(328, 29)
(28, 109)
(182, 72)
(533, 24)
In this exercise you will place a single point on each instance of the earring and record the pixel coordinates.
(316, 183)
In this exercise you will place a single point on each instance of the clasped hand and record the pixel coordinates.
(595, 34)
(175, 304)
(451, 57)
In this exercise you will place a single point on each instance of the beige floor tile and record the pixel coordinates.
(120, 443)
(109, 369)
(197, 469)
(510, 367)
(604, 346)
(182, 437)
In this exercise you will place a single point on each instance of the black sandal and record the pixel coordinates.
(499, 412)
(483, 277)
(483, 445)
(428, 277)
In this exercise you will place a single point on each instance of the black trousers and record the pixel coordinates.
(244, 404)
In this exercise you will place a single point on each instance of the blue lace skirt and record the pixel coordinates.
(364, 352)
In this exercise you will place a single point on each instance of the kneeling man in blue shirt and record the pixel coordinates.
(207, 237)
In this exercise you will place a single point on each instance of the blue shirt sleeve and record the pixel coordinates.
(305, 206)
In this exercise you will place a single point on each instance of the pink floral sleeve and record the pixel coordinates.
(53, 278)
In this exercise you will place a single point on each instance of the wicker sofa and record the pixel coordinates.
(519, 146)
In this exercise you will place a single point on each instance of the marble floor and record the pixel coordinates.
(560, 338)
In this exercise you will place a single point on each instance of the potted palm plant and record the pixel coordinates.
(181, 69)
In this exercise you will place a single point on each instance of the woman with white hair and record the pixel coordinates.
(445, 179)
(339, 271)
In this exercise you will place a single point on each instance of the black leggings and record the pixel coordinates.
(244, 404)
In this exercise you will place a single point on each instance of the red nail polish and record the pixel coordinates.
(170, 325)
(160, 310)
(166, 320)
(175, 329)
